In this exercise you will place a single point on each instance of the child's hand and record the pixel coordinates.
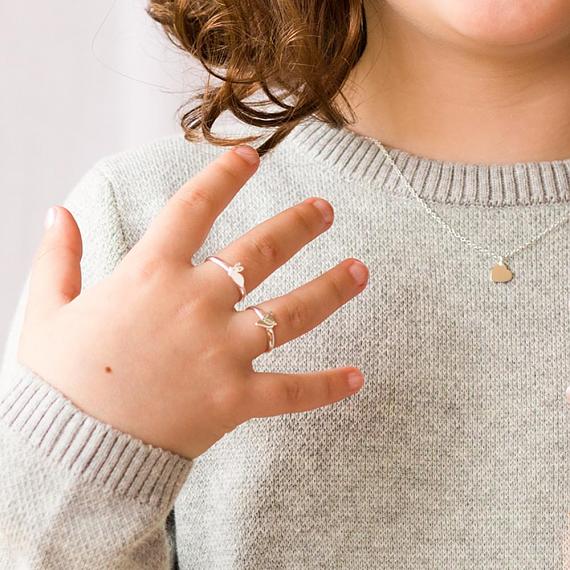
(156, 349)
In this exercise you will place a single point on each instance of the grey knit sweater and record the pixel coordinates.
(454, 455)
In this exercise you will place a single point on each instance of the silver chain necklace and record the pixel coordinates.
(500, 272)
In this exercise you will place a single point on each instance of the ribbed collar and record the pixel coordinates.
(354, 157)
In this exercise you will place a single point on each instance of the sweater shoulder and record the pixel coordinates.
(163, 163)
(158, 161)
(144, 178)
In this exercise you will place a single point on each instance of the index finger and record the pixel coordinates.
(181, 227)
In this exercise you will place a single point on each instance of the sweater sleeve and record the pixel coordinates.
(76, 492)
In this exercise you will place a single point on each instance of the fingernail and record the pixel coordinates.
(323, 208)
(568, 394)
(355, 380)
(247, 152)
(358, 272)
(50, 217)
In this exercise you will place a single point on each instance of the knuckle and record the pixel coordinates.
(228, 401)
(297, 314)
(230, 172)
(196, 197)
(294, 392)
(266, 247)
(304, 217)
(147, 268)
(337, 290)
(187, 309)
(55, 248)
(329, 394)
(41, 253)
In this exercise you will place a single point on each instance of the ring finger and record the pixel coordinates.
(302, 309)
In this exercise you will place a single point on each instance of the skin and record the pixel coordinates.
(472, 81)
(479, 81)
(158, 334)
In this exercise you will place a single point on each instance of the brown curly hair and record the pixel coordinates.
(297, 52)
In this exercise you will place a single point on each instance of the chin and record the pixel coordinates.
(506, 23)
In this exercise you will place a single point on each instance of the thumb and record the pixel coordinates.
(55, 277)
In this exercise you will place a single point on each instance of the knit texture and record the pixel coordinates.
(455, 454)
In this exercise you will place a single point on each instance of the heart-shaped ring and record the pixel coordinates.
(266, 321)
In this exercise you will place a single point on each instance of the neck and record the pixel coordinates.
(419, 94)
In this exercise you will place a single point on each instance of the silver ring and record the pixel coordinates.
(234, 271)
(266, 321)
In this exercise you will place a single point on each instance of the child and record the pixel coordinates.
(414, 183)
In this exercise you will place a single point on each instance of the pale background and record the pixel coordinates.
(80, 80)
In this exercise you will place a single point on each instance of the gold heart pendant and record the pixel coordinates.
(500, 273)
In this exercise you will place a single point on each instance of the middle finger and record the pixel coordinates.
(270, 244)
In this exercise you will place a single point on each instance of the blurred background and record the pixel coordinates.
(81, 80)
